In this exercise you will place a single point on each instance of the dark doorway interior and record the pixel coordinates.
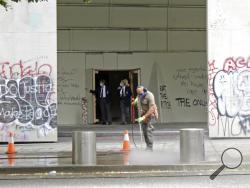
(112, 79)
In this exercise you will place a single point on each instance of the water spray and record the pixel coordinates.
(140, 126)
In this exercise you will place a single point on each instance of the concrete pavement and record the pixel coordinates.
(229, 181)
(43, 158)
(117, 129)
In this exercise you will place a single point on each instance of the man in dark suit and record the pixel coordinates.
(125, 100)
(102, 94)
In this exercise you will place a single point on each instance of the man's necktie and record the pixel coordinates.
(101, 95)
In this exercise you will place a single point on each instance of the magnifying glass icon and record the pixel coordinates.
(231, 158)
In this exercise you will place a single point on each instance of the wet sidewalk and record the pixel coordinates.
(109, 143)
(117, 129)
(165, 157)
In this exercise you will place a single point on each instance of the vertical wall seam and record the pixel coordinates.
(103, 65)
(129, 39)
(109, 14)
(117, 61)
(147, 40)
(85, 59)
(70, 39)
(167, 38)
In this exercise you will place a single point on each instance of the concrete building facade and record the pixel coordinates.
(160, 44)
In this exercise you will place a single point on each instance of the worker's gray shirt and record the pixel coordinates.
(146, 102)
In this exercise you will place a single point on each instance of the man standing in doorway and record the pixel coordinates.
(103, 95)
(148, 113)
(125, 100)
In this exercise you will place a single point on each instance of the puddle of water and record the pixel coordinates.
(134, 157)
(138, 157)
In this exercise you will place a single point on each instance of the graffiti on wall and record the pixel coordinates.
(68, 82)
(229, 106)
(164, 100)
(187, 102)
(24, 68)
(27, 98)
(212, 105)
(84, 110)
(191, 80)
(28, 72)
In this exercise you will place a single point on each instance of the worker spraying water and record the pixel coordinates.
(148, 114)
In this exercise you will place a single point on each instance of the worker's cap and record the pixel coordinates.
(140, 86)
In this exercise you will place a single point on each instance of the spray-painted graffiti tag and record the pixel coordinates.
(212, 106)
(232, 64)
(231, 88)
(21, 69)
(165, 102)
(26, 98)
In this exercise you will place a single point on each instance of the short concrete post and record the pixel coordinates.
(84, 147)
(192, 145)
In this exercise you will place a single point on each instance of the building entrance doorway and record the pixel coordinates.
(113, 79)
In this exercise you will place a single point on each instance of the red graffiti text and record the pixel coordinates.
(21, 69)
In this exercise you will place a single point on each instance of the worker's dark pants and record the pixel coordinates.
(124, 111)
(105, 110)
(148, 134)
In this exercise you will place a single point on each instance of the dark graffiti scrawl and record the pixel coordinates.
(26, 101)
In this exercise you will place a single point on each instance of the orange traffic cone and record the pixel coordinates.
(11, 145)
(126, 144)
(125, 158)
(11, 159)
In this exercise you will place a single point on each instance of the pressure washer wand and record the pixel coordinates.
(140, 126)
(141, 133)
